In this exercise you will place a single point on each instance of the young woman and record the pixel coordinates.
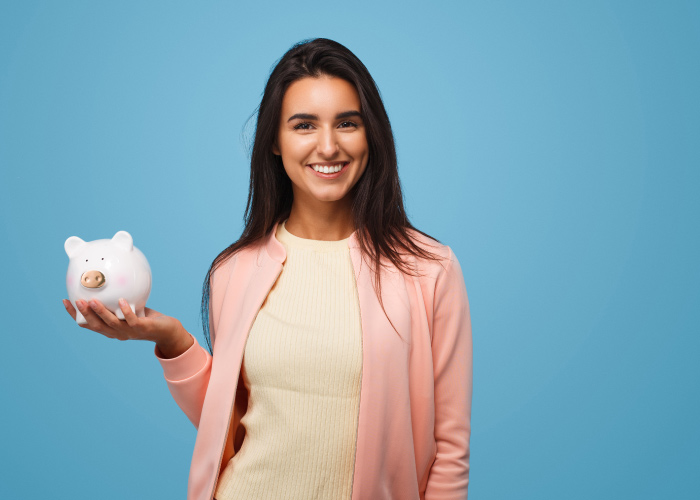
(340, 351)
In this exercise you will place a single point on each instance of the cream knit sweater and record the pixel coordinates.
(302, 366)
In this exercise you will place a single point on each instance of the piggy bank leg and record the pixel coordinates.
(79, 318)
(141, 313)
(120, 314)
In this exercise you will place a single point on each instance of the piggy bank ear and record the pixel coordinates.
(73, 246)
(123, 240)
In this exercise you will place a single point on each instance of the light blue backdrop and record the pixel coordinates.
(553, 145)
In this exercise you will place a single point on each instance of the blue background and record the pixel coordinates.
(553, 145)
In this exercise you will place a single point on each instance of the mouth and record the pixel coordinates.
(329, 170)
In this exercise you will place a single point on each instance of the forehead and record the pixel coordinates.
(318, 94)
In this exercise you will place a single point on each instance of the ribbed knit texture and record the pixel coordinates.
(302, 366)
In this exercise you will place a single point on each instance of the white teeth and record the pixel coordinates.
(328, 170)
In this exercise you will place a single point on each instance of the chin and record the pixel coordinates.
(328, 196)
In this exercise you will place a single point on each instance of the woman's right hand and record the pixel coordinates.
(168, 333)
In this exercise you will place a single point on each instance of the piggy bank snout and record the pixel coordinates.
(92, 279)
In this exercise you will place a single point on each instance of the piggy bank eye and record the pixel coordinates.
(103, 258)
(86, 260)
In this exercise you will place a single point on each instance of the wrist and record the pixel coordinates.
(176, 344)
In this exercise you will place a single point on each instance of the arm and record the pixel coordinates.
(187, 374)
(452, 365)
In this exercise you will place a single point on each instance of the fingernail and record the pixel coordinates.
(122, 302)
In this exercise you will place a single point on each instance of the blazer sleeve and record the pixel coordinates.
(187, 375)
(452, 365)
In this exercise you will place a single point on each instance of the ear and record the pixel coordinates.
(275, 149)
(73, 246)
(124, 240)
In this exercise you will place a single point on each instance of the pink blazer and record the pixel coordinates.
(416, 389)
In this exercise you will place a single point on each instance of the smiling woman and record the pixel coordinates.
(340, 351)
(324, 153)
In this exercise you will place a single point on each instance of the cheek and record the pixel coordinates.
(122, 280)
(296, 149)
(356, 145)
(71, 280)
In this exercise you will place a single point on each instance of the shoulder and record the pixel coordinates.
(220, 274)
(225, 264)
(443, 256)
(442, 280)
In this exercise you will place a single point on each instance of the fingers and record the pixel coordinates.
(129, 316)
(69, 308)
(95, 322)
(92, 319)
(105, 314)
(104, 321)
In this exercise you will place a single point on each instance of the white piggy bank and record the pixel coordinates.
(108, 270)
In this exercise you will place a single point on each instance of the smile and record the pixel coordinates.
(329, 170)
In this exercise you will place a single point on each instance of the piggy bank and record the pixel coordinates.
(108, 270)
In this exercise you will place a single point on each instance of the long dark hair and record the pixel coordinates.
(379, 217)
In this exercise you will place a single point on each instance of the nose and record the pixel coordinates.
(327, 143)
(92, 279)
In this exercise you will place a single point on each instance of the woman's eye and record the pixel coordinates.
(307, 125)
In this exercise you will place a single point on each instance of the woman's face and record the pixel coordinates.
(321, 126)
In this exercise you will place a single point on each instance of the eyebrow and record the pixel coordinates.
(307, 116)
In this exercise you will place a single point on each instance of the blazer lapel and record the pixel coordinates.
(251, 280)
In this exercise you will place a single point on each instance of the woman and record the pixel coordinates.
(340, 352)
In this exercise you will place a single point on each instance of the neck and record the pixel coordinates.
(326, 222)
